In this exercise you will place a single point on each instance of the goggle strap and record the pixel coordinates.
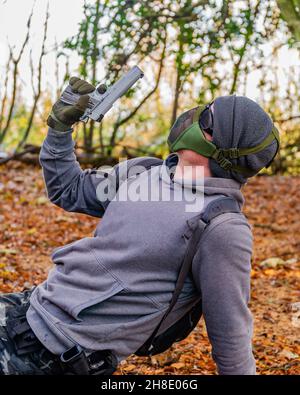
(277, 136)
(197, 113)
(274, 135)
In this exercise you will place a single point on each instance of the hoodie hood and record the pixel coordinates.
(223, 186)
(210, 185)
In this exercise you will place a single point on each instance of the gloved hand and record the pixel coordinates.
(64, 116)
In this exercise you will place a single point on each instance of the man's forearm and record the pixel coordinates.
(59, 163)
(68, 186)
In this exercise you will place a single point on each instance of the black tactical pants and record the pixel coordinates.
(21, 353)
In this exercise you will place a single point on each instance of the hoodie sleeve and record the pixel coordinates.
(83, 191)
(68, 186)
(221, 270)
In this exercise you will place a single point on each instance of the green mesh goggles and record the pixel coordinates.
(193, 138)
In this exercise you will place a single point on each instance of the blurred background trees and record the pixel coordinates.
(191, 51)
(290, 12)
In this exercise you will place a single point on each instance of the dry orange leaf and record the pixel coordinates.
(178, 365)
(129, 368)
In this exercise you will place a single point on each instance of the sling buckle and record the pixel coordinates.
(75, 362)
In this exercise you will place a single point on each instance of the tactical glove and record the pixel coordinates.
(64, 116)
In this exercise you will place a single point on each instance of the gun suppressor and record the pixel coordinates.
(101, 103)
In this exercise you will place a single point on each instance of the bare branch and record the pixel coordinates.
(291, 118)
(18, 155)
(37, 90)
(247, 38)
(126, 119)
(5, 97)
(57, 69)
(16, 60)
(32, 72)
(129, 116)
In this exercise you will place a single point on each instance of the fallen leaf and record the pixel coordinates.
(270, 272)
(272, 262)
(42, 200)
(295, 306)
(166, 358)
(268, 317)
(288, 354)
(178, 365)
(8, 251)
(129, 368)
(31, 231)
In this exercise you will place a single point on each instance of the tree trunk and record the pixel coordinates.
(178, 85)
(94, 68)
(176, 98)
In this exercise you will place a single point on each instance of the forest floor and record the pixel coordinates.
(31, 227)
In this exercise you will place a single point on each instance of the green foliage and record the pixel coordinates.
(191, 51)
(288, 160)
(194, 37)
(290, 12)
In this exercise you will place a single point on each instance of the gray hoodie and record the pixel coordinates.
(110, 291)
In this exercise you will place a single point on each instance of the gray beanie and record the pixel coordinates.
(239, 122)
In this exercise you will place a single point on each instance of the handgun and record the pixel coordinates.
(101, 102)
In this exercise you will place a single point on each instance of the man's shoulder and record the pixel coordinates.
(228, 236)
(229, 226)
(146, 161)
(133, 167)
